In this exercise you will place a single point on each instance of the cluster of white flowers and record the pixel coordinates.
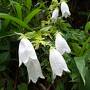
(27, 55)
(57, 61)
(64, 10)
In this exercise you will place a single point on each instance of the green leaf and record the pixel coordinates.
(87, 26)
(60, 85)
(76, 48)
(3, 57)
(14, 19)
(80, 63)
(3, 60)
(10, 85)
(4, 45)
(31, 15)
(28, 4)
(3, 35)
(18, 8)
(5, 24)
(0, 25)
(23, 86)
(45, 28)
(87, 87)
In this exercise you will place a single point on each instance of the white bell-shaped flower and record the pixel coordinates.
(55, 14)
(26, 50)
(57, 62)
(28, 56)
(61, 44)
(34, 70)
(65, 9)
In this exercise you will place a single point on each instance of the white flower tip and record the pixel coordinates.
(68, 50)
(67, 70)
(34, 81)
(19, 64)
(34, 70)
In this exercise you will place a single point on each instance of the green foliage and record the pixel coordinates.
(80, 63)
(87, 27)
(14, 19)
(20, 18)
(22, 86)
(31, 15)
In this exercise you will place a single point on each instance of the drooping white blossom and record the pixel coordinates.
(28, 56)
(26, 50)
(57, 62)
(55, 14)
(65, 9)
(34, 70)
(61, 44)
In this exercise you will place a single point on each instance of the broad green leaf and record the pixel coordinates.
(80, 63)
(31, 15)
(87, 86)
(23, 86)
(28, 4)
(14, 19)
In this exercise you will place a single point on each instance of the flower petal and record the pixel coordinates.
(34, 70)
(61, 44)
(26, 50)
(57, 63)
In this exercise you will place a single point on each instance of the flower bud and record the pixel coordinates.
(55, 14)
